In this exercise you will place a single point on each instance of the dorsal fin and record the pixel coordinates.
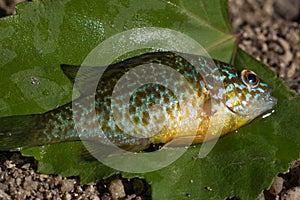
(70, 71)
(85, 78)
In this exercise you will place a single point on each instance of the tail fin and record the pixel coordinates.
(17, 132)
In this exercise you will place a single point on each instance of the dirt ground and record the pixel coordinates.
(270, 31)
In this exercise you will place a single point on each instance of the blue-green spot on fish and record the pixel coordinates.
(240, 98)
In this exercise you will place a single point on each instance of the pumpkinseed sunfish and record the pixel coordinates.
(175, 96)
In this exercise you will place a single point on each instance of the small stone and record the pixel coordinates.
(46, 186)
(293, 193)
(2, 176)
(55, 193)
(28, 178)
(41, 189)
(106, 196)
(67, 185)
(39, 195)
(116, 189)
(76, 195)
(57, 180)
(42, 177)
(67, 196)
(79, 189)
(94, 197)
(288, 10)
(49, 195)
(20, 194)
(26, 166)
(90, 189)
(16, 174)
(29, 184)
(133, 196)
(276, 187)
(18, 181)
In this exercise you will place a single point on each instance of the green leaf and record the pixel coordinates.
(45, 34)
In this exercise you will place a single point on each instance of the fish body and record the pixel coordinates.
(154, 98)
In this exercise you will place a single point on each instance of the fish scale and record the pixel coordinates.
(154, 98)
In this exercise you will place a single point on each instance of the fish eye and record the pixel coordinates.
(249, 78)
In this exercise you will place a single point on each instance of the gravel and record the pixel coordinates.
(19, 180)
(269, 37)
(270, 32)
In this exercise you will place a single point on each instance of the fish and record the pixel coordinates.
(150, 99)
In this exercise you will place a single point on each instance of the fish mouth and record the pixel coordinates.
(270, 100)
(267, 103)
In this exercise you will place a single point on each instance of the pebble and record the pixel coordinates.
(94, 197)
(277, 185)
(67, 196)
(291, 194)
(9, 165)
(67, 185)
(26, 166)
(288, 9)
(116, 189)
(106, 196)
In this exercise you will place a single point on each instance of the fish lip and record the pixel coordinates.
(270, 98)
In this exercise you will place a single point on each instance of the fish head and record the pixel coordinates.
(246, 96)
